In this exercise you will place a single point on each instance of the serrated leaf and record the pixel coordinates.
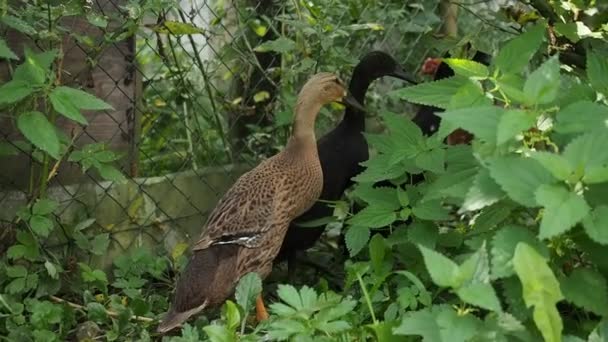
(443, 271)
(483, 192)
(379, 168)
(44, 206)
(110, 173)
(542, 86)
(519, 177)
(563, 209)
(17, 271)
(467, 68)
(41, 225)
(373, 216)
(290, 295)
(40, 132)
(81, 99)
(597, 71)
(64, 106)
(36, 67)
(430, 210)
(177, 28)
(5, 51)
(436, 93)
(556, 164)
(407, 134)
(356, 238)
(512, 85)
(247, 289)
(14, 91)
(423, 233)
(503, 245)
(51, 269)
(480, 294)
(588, 153)
(481, 121)
(470, 94)
(99, 245)
(540, 290)
(514, 56)
(439, 324)
(385, 197)
(280, 45)
(596, 223)
(513, 122)
(433, 160)
(587, 289)
(18, 24)
(582, 117)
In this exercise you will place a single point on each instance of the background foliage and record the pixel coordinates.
(503, 240)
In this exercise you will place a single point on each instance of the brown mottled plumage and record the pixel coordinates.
(246, 229)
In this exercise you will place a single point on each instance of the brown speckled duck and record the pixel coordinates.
(246, 229)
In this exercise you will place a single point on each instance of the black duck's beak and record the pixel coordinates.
(350, 101)
(403, 75)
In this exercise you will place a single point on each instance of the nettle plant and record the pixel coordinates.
(507, 234)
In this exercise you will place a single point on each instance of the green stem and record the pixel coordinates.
(367, 298)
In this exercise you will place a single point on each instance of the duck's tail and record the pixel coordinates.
(207, 280)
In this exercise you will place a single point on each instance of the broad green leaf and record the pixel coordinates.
(600, 333)
(542, 86)
(503, 249)
(519, 177)
(588, 153)
(470, 94)
(36, 67)
(597, 71)
(514, 56)
(18, 24)
(582, 117)
(404, 131)
(5, 51)
(587, 289)
(430, 210)
(40, 132)
(596, 224)
(540, 290)
(467, 68)
(17, 271)
(377, 251)
(385, 197)
(247, 289)
(481, 121)
(232, 314)
(512, 123)
(51, 269)
(280, 45)
(379, 168)
(563, 209)
(439, 324)
(433, 160)
(64, 106)
(493, 215)
(41, 225)
(373, 216)
(555, 163)
(480, 294)
(44, 206)
(81, 99)
(356, 238)
(110, 173)
(512, 85)
(219, 333)
(483, 192)
(423, 233)
(14, 91)
(177, 28)
(436, 93)
(100, 244)
(443, 271)
(290, 295)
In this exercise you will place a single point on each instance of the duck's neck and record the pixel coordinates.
(358, 88)
(303, 133)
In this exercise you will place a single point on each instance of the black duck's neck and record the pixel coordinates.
(358, 88)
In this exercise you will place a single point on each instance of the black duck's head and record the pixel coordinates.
(377, 64)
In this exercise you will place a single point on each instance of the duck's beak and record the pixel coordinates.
(350, 101)
(403, 75)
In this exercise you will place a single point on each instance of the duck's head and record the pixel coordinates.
(325, 88)
(378, 64)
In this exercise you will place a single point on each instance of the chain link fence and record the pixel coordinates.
(201, 91)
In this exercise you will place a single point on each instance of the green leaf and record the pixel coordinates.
(597, 71)
(18, 24)
(14, 91)
(290, 295)
(600, 333)
(514, 56)
(423, 233)
(99, 245)
(51, 269)
(15, 286)
(436, 93)
(17, 271)
(587, 289)
(513, 122)
(540, 289)
(385, 197)
(595, 224)
(430, 210)
(44, 206)
(379, 168)
(481, 121)
(261, 96)
(81, 99)
(280, 45)
(97, 312)
(480, 294)
(439, 324)
(5, 51)
(581, 117)
(356, 238)
(64, 106)
(433, 160)
(443, 271)
(373, 216)
(504, 243)
(97, 20)
(467, 68)
(247, 289)
(110, 173)
(36, 67)
(177, 28)
(402, 129)
(563, 209)
(40, 132)
(41, 225)
(512, 85)
(483, 192)
(232, 314)
(377, 251)
(542, 86)
(588, 153)
(556, 164)
(519, 177)
(470, 94)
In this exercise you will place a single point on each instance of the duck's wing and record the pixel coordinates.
(245, 212)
